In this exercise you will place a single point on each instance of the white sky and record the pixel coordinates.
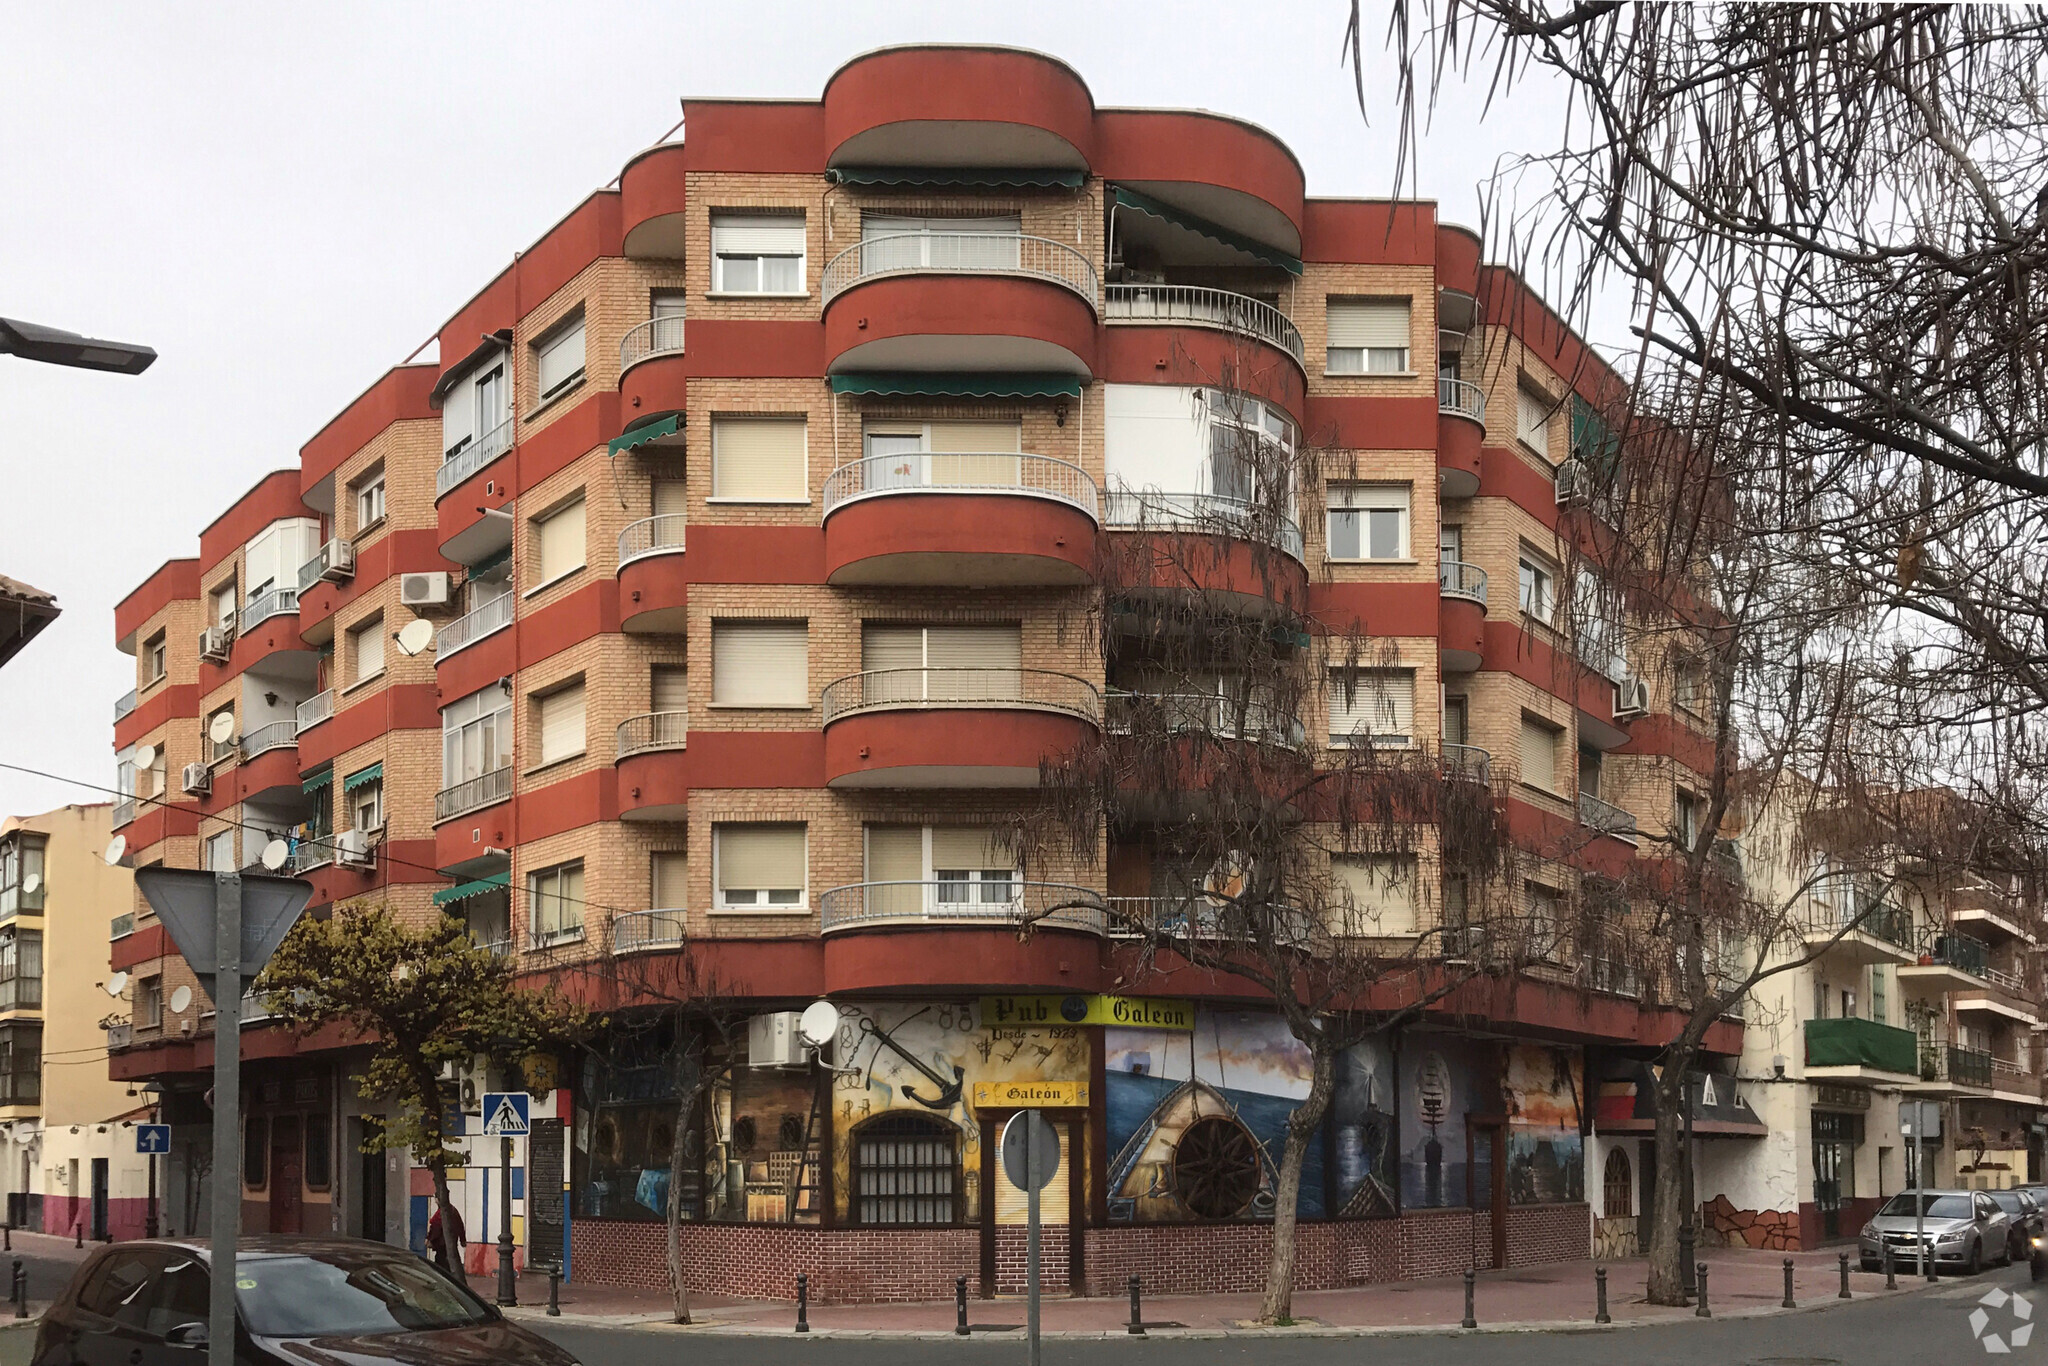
(286, 200)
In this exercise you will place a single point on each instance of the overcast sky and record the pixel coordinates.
(286, 200)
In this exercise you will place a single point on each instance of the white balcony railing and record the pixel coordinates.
(959, 253)
(1456, 579)
(1461, 399)
(275, 603)
(474, 794)
(124, 704)
(1203, 514)
(654, 730)
(1200, 918)
(276, 735)
(1468, 763)
(124, 812)
(1002, 472)
(315, 709)
(661, 535)
(121, 926)
(1202, 714)
(471, 456)
(655, 337)
(120, 1036)
(493, 616)
(993, 901)
(633, 931)
(949, 688)
(336, 555)
(1197, 306)
(1604, 816)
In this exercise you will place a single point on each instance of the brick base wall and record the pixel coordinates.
(867, 1265)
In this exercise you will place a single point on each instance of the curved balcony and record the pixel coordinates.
(468, 629)
(484, 790)
(1456, 579)
(652, 731)
(1050, 905)
(124, 704)
(662, 535)
(655, 337)
(1196, 306)
(1466, 763)
(472, 456)
(952, 727)
(275, 603)
(1204, 514)
(653, 199)
(960, 519)
(1201, 919)
(1202, 714)
(637, 931)
(933, 106)
(1604, 817)
(1461, 615)
(263, 739)
(1460, 431)
(954, 301)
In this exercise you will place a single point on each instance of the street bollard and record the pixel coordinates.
(1685, 1262)
(1137, 1328)
(7, 1231)
(20, 1291)
(555, 1290)
(1600, 1315)
(1845, 1277)
(1891, 1271)
(1789, 1303)
(78, 1235)
(1469, 1321)
(14, 1282)
(1700, 1272)
(803, 1303)
(960, 1305)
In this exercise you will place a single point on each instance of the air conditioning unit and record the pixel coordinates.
(772, 1040)
(337, 561)
(354, 848)
(1631, 699)
(214, 642)
(197, 780)
(1574, 484)
(423, 590)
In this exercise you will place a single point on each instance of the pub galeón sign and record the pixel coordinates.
(1132, 1012)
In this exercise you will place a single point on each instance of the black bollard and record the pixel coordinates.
(1789, 1303)
(960, 1305)
(14, 1282)
(1469, 1321)
(1137, 1328)
(20, 1291)
(803, 1303)
(1891, 1271)
(1700, 1272)
(1600, 1315)
(1685, 1262)
(555, 1290)
(78, 1235)
(1845, 1277)
(7, 1233)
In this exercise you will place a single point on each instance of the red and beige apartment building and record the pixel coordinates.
(755, 511)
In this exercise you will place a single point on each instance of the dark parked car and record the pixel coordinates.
(2025, 1213)
(299, 1302)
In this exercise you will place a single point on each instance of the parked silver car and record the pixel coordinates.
(1963, 1229)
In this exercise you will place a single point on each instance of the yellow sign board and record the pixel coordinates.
(1030, 1095)
(1132, 1012)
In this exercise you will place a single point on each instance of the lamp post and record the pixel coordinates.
(54, 346)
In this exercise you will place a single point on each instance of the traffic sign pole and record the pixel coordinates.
(1031, 1248)
(506, 1113)
(227, 1115)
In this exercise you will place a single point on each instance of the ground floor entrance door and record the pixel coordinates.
(1486, 1178)
(1834, 1166)
(370, 1211)
(99, 1199)
(285, 1175)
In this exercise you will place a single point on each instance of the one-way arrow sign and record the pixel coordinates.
(505, 1112)
(152, 1138)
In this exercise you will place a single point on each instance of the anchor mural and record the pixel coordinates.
(949, 1091)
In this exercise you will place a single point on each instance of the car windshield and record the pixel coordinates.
(340, 1294)
(1938, 1206)
(2009, 1201)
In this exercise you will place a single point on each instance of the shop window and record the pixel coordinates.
(906, 1170)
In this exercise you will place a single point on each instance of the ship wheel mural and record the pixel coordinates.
(1216, 1168)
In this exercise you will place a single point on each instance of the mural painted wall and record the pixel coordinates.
(1546, 1154)
(1443, 1078)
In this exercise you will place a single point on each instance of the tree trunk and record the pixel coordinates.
(1666, 1279)
(439, 1167)
(1302, 1127)
(677, 1155)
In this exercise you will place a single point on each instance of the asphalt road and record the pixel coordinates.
(1927, 1329)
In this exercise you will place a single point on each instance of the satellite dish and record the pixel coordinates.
(181, 998)
(116, 847)
(117, 983)
(416, 635)
(275, 853)
(819, 1023)
(32, 884)
(145, 756)
(24, 1136)
(221, 729)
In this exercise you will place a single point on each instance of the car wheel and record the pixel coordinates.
(1976, 1262)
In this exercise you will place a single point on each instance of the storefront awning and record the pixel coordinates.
(463, 891)
(1627, 1104)
(1222, 236)
(641, 435)
(960, 385)
(975, 177)
(374, 773)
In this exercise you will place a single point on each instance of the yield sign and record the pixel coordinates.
(505, 1112)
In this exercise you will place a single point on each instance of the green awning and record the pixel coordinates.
(641, 435)
(1258, 251)
(373, 774)
(1593, 441)
(497, 558)
(318, 780)
(463, 891)
(960, 386)
(978, 177)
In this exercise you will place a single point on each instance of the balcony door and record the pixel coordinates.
(917, 870)
(944, 454)
(892, 242)
(957, 664)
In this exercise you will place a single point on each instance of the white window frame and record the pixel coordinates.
(801, 498)
(1396, 498)
(371, 629)
(721, 284)
(370, 502)
(1536, 439)
(578, 504)
(157, 649)
(799, 700)
(762, 895)
(1371, 360)
(553, 340)
(546, 883)
(489, 711)
(1536, 587)
(1370, 679)
(358, 801)
(541, 702)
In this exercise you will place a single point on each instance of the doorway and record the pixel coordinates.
(1835, 1137)
(99, 1199)
(284, 1175)
(1486, 1185)
(370, 1210)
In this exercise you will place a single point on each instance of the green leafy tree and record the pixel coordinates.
(420, 998)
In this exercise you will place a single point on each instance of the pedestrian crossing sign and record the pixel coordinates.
(505, 1113)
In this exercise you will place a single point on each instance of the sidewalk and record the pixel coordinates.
(1742, 1283)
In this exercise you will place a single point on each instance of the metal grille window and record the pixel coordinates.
(1618, 1186)
(906, 1170)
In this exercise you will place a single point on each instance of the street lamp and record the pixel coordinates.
(54, 346)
